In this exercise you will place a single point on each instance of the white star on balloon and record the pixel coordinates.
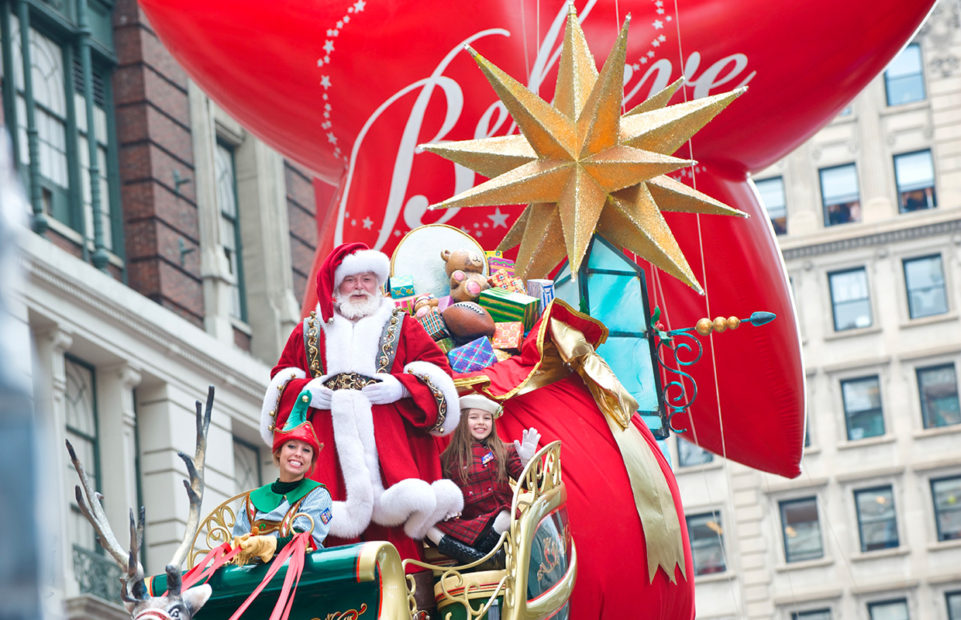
(498, 219)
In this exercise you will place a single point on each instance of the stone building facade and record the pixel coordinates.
(179, 267)
(868, 215)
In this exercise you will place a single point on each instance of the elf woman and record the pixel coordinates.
(480, 463)
(266, 520)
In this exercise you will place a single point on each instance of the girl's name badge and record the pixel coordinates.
(487, 458)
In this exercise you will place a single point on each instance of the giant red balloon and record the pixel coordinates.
(350, 89)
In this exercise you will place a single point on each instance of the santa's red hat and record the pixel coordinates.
(346, 260)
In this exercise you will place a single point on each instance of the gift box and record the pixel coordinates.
(542, 290)
(446, 344)
(444, 302)
(406, 303)
(503, 279)
(434, 324)
(401, 286)
(475, 355)
(505, 306)
(495, 263)
(508, 335)
(494, 254)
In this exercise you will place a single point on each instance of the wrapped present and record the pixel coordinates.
(543, 290)
(508, 335)
(401, 286)
(433, 322)
(503, 279)
(446, 344)
(505, 306)
(475, 355)
(406, 303)
(495, 263)
(444, 302)
(494, 254)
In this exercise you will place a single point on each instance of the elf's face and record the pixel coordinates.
(479, 423)
(295, 460)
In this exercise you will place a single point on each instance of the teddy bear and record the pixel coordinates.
(465, 268)
(424, 304)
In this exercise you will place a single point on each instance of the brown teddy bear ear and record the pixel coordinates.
(445, 254)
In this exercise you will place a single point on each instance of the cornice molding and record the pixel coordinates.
(871, 240)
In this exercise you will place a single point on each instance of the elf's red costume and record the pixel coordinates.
(380, 462)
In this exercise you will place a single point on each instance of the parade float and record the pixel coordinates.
(615, 345)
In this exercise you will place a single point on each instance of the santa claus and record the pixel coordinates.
(379, 388)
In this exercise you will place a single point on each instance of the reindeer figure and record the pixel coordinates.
(176, 605)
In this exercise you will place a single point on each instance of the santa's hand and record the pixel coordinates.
(527, 446)
(320, 394)
(387, 390)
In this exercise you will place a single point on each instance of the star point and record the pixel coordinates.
(582, 167)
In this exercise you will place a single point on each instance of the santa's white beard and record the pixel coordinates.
(354, 309)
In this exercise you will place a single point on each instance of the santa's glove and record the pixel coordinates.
(262, 547)
(319, 393)
(527, 446)
(387, 390)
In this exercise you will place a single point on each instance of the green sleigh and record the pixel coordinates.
(367, 580)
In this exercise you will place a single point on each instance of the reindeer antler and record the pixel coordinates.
(195, 469)
(89, 501)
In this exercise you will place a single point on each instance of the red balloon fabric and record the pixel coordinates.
(351, 88)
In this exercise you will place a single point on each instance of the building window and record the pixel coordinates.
(772, 197)
(813, 614)
(924, 281)
(839, 194)
(862, 407)
(938, 389)
(889, 610)
(58, 101)
(904, 77)
(247, 473)
(914, 175)
(877, 521)
(95, 573)
(689, 454)
(947, 507)
(953, 600)
(707, 543)
(850, 301)
(230, 226)
(801, 529)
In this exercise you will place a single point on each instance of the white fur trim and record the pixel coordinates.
(363, 261)
(409, 499)
(445, 383)
(272, 396)
(449, 500)
(352, 516)
(353, 346)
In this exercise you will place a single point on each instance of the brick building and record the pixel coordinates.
(179, 266)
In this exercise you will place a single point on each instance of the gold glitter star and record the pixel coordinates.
(583, 167)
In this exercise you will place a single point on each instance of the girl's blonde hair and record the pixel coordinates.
(459, 454)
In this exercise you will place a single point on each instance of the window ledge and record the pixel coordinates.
(947, 317)
(866, 556)
(727, 575)
(241, 326)
(945, 545)
(900, 108)
(937, 431)
(803, 565)
(866, 443)
(852, 333)
(811, 450)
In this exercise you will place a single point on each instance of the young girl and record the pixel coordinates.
(479, 463)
